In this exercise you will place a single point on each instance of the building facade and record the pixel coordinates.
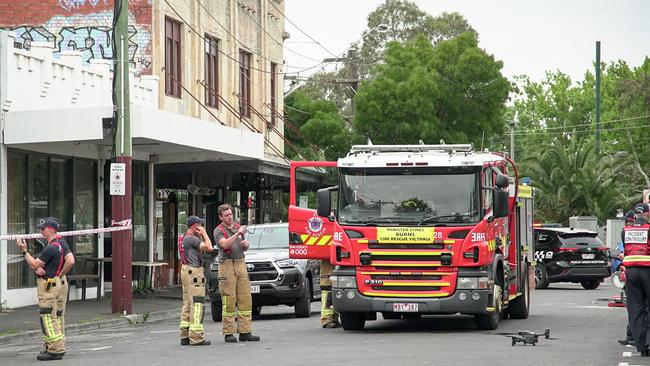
(206, 106)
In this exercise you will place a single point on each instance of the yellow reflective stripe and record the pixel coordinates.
(184, 325)
(323, 300)
(304, 237)
(379, 263)
(244, 312)
(47, 321)
(362, 241)
(324, 240)
(639, 258)
(327, 312)
(197, 327)
(197, 313)
(449, 241)
(312, 240)
(400, 294)
(423, 283)
(411, 253)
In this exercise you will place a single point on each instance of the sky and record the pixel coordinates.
(529, 36)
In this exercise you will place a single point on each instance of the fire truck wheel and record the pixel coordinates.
(541, 277)
(490, 321)
(519, 306)
(353, 320)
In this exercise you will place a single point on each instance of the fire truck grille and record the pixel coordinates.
(406, 258)
(405, 277)
(405, 246)
(407, 288)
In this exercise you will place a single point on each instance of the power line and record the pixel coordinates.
(297, 27)
(536, 130)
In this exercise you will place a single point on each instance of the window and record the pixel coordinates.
(172, 58)
(244, 83)
(274, 96)
(211, 71)
(85, 214)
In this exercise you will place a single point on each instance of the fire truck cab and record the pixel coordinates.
(421, 229)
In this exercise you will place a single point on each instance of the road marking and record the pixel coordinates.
(627, 354)
(626, 364)
(163, 331)
(100, 348)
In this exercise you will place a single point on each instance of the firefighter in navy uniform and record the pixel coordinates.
(48, 267)
(637, 285)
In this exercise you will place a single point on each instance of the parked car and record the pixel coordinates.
(570, 255)
(275, 278)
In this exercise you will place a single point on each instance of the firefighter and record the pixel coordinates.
(62, 300)
(191, 248)
(637, 285)
(328, 317)
(48, 267)
(234, 284)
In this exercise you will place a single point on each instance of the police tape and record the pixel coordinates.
(115, 226)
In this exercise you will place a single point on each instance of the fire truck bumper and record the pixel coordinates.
(462, 301)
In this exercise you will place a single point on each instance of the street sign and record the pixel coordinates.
(303, 201)
(118, 179)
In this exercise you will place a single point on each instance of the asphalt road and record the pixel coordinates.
(587, 333)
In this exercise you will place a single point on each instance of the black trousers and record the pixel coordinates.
(637, 290)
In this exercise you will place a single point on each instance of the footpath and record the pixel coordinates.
(20, 325)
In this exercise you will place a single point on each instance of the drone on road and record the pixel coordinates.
(527, 337)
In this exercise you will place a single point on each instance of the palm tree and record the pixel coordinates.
(570, 180)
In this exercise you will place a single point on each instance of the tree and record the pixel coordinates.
(453, 91)
(406, 21)
(570, 180)
(315, 122)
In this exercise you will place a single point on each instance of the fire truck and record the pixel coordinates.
(420, 229)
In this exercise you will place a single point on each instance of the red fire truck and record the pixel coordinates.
(420, 229)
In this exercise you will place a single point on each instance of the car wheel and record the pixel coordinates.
(590, 284)
(302, 308)
(541, 276)
(353, 320)
(215, 308)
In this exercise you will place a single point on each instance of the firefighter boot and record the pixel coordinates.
(248, 337)
(46, 356)
(230, 338)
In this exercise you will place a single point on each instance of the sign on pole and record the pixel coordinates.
(118, 179)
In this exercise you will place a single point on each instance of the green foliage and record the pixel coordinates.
(453, 91)
(570, 180)
(320, 124)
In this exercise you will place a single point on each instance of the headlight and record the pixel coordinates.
(343, 281)
(288, 263)
(472, 283)
(467, 283)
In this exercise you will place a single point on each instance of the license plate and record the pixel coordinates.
(589, 256)
(255, 289)
(405, 307)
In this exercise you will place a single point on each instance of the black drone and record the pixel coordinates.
(527, 337)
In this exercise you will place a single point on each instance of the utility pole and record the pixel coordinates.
(597, 98)
(352, 63)
(121, 167)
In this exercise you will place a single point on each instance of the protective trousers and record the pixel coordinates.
(327, 313)
(637, 290)
(61, 302)
(235, 289)
(192, 312)
(48, 294)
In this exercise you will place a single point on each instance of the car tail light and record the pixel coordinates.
(603, 249)
(566, 249)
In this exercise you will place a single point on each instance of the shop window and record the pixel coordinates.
(85, 213)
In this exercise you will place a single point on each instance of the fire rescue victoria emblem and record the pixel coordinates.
(315, 226)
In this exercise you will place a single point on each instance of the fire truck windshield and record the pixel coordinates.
(416, 196)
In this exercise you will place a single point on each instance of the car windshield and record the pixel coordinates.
(414, 196)
(276, 237)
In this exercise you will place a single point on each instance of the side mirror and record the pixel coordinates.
(500, 204)
(323, 205)
(502, 181)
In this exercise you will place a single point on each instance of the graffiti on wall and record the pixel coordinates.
(88, 29)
